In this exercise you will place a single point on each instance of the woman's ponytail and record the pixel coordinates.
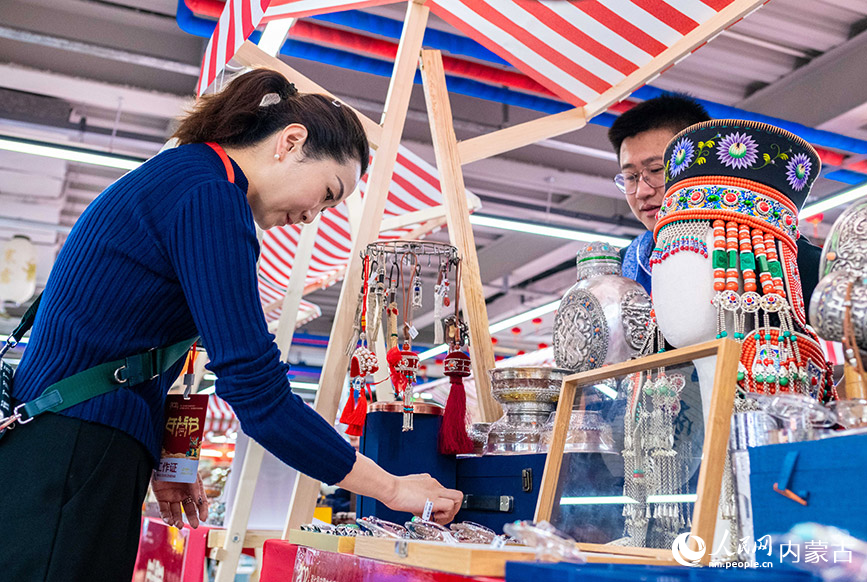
(255, 105)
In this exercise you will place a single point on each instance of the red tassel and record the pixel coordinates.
(453, 437)
(360, 413)
(398, 380)
(349, 408)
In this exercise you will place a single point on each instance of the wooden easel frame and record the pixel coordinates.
(713, 451)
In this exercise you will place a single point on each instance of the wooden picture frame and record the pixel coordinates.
(713, 451)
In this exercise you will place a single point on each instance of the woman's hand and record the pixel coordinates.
(407, 493)
(172, 496)
(412, 491)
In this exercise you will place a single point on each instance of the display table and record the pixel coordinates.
(285, 562)
(180, 554)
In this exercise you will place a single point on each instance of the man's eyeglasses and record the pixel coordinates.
(653, 176)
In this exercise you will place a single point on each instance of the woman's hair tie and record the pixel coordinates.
(270, 99)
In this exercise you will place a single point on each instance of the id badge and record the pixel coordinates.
(182, 438)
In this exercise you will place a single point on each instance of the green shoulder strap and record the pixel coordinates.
(104, 378)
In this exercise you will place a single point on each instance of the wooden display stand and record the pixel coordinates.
(715, 437)
(450, 154)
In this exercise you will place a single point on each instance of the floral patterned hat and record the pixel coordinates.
(752, 169)
(746, 182)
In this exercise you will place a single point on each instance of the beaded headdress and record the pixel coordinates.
(747, 181)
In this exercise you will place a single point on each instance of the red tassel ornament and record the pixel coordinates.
(453, 437)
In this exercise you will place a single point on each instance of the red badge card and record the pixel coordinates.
(182, 438)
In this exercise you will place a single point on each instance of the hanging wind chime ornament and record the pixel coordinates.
(362, 364)
(453, 437)
(403, 363)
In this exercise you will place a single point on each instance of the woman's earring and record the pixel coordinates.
(277, 157)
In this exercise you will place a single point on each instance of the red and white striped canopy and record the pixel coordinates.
(414, 187)
(578, 49)
(272, 301)
(219, 418)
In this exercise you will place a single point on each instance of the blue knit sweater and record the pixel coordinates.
(165, 253)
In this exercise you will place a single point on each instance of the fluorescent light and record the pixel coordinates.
(208, 390)
(544, 230)
(597, 500)
(844, 197)
(435, 351)
(606, 390)
(625, 499)
(274, 34)
(526, 316)
(499, 326)
(423, 395)
(69, 153)
(308, 386)
(682, 498)
(211, 377)
(211, 453)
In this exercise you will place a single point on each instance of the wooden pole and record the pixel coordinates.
(460, 230)
(336, 361)
(523, 134)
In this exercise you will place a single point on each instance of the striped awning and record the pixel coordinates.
(272, 303)
(414, 188)
(219, 418)
(577, 48)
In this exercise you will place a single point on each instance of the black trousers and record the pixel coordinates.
(71, 494)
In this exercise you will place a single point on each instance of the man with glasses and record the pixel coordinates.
(639, 137)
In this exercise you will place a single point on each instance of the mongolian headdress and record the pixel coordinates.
(747, 181)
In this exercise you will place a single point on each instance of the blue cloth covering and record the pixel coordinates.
(636, 260)
(165, 253)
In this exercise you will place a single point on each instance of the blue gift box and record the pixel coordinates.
(828, 474)
(535, 572)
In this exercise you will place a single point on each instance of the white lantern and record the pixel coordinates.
(18, 270)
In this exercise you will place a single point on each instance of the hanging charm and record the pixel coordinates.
(362, 364)
(403, 366)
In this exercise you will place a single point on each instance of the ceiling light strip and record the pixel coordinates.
(545, 230)
(69, 153)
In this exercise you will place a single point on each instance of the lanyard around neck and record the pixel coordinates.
(227, 163)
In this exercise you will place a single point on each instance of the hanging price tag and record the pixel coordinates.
(413, 332)
(428, 509)
(182, 438)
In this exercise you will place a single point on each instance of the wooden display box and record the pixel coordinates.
(322, 541)
(464, 559)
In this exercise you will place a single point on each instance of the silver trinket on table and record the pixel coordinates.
(844, 262)
(528, 395)
(604, 318)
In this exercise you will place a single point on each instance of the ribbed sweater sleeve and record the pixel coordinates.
(213, 247)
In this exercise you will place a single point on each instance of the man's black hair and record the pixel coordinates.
(670, 111)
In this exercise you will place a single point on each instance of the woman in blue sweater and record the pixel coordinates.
(166, 253)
